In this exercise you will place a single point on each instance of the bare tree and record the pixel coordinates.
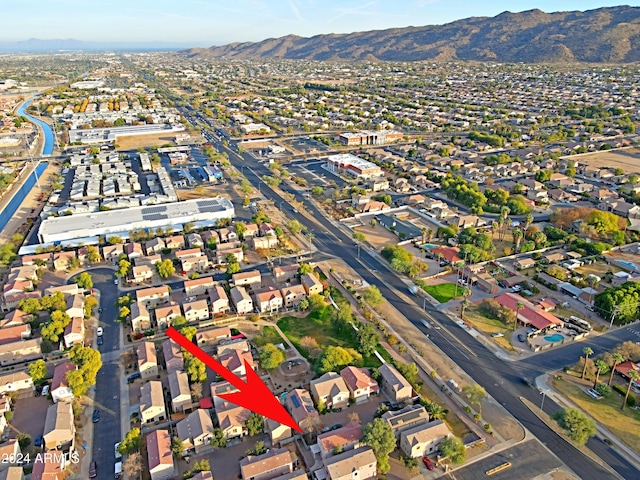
(196, 391)
(132, 466)
(354, 417)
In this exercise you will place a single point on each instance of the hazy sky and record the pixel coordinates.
(216, 22)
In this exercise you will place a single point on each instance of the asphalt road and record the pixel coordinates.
(500, 379)
(107, 431)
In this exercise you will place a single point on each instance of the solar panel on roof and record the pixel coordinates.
(295, 401)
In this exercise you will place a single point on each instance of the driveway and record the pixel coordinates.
(29, 416)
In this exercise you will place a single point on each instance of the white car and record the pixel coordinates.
(100, 331)
(115, 281)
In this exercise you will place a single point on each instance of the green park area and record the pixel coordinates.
(623, 424)
(443, 292)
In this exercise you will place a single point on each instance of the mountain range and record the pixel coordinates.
(603, 35)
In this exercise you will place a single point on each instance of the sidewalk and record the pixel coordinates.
(542, 383)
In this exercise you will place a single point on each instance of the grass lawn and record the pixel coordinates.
(318, 325)
(624, 425)
(482, 323)
(268, 335)
(443, 292)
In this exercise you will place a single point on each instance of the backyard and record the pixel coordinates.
(443, 292)
(606, 411)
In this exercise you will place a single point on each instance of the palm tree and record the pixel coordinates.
(601, 367)
(425, 231)
(435, 411)
(587, 351)
(463, 306)
(438, 259)
(617, 358)
(517, 238)
(633, 375)
(528, 220)
(519, 306)
(494, 228)
(429, 234)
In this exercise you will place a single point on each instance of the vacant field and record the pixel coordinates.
(627, 159)
(136, 141)
(443, 292)
(480, 322)
(268, 335)
(598, 269)
(625, 425)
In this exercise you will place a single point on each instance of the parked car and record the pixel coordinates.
(38, 441)
(45, 390)
(117, 453)
(427, 463)
(336, 426)
(100, 340)
(115, 282)
(96, 416)
(521, 337)
(100, 331)
(99, 309)
(93, 469)
(133, 377)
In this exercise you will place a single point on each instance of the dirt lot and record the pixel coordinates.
(377, 236)
(627, 159)
(136, 141)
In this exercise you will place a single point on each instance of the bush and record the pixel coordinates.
(603, 389)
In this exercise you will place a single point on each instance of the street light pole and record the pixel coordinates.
(543, 393)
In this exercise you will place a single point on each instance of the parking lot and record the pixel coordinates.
(305, 145)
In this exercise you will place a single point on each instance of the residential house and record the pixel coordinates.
(159, 455)
(180, 393)
(251, 230)
(75, 305)
(360, 383)
(266, 242)
(196, 310)
(20, 350)
(48, 469)
(74, 332)
(10, 335)
(266, 229)
(405, 419)
(231, 417)
(277, 431)
(194, 240)
(300, 405)
(529, 314)
(155, 245)
(172, 352)
(166, 315)
(219, 300)
(59, 428)
(9, 451)
(111, 253)
(241, 300)
(205, 475)
(285, 273)
(343, 439)
(465, 221)
(149, 260)
(236, 361)
(360, 464)
(212, 337)
(221, 255)
(311, 284)
(17, 286)
(239, 344)
(373, 206)
(152, 403)
(66, 290)
(60, 389)
(174, 242)
(269, 300)
(293, 295)
(15, 382)
(227, 235)
(196, 432)
(11, 301)
(25, 272)
(147, 360)
(394, 384)
(15, 318)
(199, 286)
(553, 257)
(140, 274)
(45, 259)
(153, 296)
(133, 250)
(252, 278)
(423, 439)
(331, 390)
(61, 260)
(270, 465)
(140, 318)
(524, 263)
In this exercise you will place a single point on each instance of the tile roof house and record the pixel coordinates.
(159, 455)
(330, 389)
(423, 439)
(155, 245)
(61, 260)
(140, 318)
(231, 417)
(293, 295)
(152, 403)
(344, 438)
(74, 332)
(48, 469)
(140, 274)
(267, 466)
(268, 300)
(196, 431)
(266, 242)
(205, 475)
(360, 464)
(172, 356)
(285, 273)
(75, 305)
(166, 314)
(300, 405)
(311, 284)
(405, 419)
(197, 310)
(199, 286)
(236, 360)
(208, 338)
(251, 278)
(147, 359)
(179, 390)
(359, 382)
(394, 384)
(529, 314)
(14, 334)
(174, 241)
(154, 295)
(59, 429)
(241, 300)
(277, 431)
(59, 386)
(219, 300)
(15, 382)
(9, 450)
(111, 253)
(15, 318)
(133, 250)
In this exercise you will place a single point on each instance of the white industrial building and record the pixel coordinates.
(201, 212)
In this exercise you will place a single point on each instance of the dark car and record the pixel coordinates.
(427, 463)
(99, 309)
(100, 340)
(38, 441)
(96, 416)
(93, 469)
(133, 377)
(520, 337)
(336, 426)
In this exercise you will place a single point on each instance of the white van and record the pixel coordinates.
(45, 390)
(117, 470)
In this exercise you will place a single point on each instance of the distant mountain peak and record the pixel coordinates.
(603, 35)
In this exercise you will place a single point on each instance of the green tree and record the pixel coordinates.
(475, 393)
(452, 448)
(189, 332)
(232, 265)
(579, 427)
(89, 363)
(271, 357)
(368, 339)
(334, 358)
(123, 268)
(165, 268)
(123, 313)
(131, 442)
(463, 306)
(241, 228)
(84, 281)
(90, 303)
(617, 359)
(316, 191)
(294, 226)
(601, 368)
(304, 269)
(30, 305)
(379, 436)
(587, 351)
(304, 304)
(359, 237)
(179, 322)
(372, 296)
(633, 376)
(194, 368)
(24, 440)
(255, 424)
(177, 446)
(38, 371)
(218, 439)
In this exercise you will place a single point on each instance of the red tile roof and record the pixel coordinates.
(528, 313)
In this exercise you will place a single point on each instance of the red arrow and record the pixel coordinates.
(253, 394)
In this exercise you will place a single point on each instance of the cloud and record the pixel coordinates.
(296, 11)
(360, 10)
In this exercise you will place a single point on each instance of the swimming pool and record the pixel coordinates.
(429, 245)
(631, 265)
(556, 337)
